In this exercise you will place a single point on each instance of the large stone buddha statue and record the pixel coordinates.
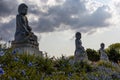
(24, 37)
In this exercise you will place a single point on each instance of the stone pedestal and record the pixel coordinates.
(29, 48)
(80, 56)
(25, 40)
(103, 56)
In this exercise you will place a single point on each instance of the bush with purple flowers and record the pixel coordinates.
(2, 53)
(1, 71)
(30, 67)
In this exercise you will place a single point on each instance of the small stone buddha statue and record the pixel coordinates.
(103, 55)
(80, 53)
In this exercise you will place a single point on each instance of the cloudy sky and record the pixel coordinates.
(55, 22)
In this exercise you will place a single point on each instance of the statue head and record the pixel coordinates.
(78, 35)
(102, 45)
(22, 9)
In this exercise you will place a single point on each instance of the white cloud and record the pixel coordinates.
(115, 12)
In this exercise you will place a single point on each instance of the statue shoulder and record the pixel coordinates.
(19, 16)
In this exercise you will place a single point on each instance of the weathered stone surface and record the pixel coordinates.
(103, 55)
(25, 40)
(23, 30)
(30, 50)
(22, 44)
(80, 53)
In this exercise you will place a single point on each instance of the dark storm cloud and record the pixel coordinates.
(7, 7)
(74, 14)
(7, 30)
(60, 14)
(94, 20)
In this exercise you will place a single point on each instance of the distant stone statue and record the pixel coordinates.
(103, 55)
(80, 53)
(23, 30)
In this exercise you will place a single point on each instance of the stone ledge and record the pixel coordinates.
(20, 45)
(29, 50)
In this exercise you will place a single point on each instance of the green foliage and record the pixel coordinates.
(114, 52)
(71, 57)
(93, 55)
(102, 63)
(115, 45)
(30, 67)
(82, 67)
(44, 64)
(62, 64)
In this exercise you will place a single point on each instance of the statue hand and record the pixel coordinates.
(25, 33)
(29, 28)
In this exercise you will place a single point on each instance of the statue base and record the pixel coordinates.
(78, 57)
(29, 48)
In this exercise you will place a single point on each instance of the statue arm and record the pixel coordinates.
(21, 24)
(28, 27)
(77, 43)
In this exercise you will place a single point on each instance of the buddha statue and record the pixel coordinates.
(80, 53)
(103, 55)
(23, 30)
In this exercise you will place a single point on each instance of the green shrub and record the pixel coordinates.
(62, 64)
(93, 55)
(113, 52)
(30, 67)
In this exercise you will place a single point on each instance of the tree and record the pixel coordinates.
(92, 55)
(114, 52)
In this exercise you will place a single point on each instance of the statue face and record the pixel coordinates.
(102, 45)
(78, 35)
(22, 9)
